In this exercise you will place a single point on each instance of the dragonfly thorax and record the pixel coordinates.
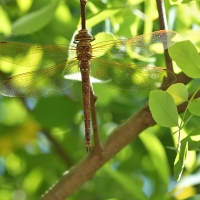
(84, 50)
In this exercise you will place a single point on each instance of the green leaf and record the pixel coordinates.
(34, 21)
(157, 155)
(187, 1)
(135, 2)
(101, 16)
(55, 111)
(179, 93)
(103, 36)
(176, 2)
(193, 139)
(186, 57)
(127, 183)
(180, 160)
(163, 108)
(12, 112)
(194, 107)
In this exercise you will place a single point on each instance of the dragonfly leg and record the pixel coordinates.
(87, 140)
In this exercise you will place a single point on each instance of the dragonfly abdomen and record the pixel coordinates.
(85, 73)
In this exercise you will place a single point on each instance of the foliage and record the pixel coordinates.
(30, 162)
(163, 106)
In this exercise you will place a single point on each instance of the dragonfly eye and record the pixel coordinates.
(89, 55)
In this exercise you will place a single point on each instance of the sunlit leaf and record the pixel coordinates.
(14, 164)
(33, 180)
(135, 2)
(101, 16)
(193, 139)
(180, 160)
(179, 93)
(186, 57)
(176, 2)
(194, 107)
(103, 36)
(5, 22)
(163, 108)
(186, 1)
(187, 192)
(12, 112)
(24, 5)
(34, 21)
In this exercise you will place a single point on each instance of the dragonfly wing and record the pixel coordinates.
(35, 55)
(42, 82)
(140, 46)
(130, 76)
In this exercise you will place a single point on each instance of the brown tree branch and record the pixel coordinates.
(130, 129)
(183, 78)
(87, 168)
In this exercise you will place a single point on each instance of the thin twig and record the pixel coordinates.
(93, 99)
(58, 148)
(163, 26)
(83, 4)
(162, 15)
(181, 77)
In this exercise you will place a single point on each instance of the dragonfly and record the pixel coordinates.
(109, 63)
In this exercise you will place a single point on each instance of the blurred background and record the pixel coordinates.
(40, 138)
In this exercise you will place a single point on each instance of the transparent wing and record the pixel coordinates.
(140, 46)
(42, 82)
(130, 76)
(35, 55)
